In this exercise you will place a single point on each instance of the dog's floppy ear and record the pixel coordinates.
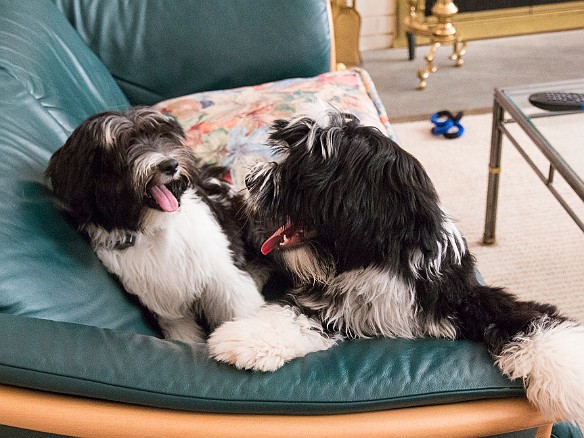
(82, 169)
(69, 172)
(385, 207)
(418, 218)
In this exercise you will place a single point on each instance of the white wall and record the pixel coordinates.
(377, 23)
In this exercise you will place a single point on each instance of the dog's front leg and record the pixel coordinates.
(185, 329)
(268, 339)
(234, 296)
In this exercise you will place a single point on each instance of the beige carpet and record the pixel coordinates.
(539, 253)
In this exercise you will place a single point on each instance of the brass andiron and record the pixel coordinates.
(441, 32)
(347, 27)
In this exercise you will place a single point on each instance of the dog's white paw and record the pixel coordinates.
(267, 340)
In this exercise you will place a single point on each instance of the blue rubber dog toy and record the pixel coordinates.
(446, 124)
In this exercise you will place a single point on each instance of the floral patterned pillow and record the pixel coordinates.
(230, 127)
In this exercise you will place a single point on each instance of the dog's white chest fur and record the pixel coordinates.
(372, 302)
(181, 264)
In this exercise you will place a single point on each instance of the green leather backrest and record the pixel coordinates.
(158, 49)
(49, 82)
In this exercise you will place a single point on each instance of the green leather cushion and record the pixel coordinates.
(165, 48)
(361, 375)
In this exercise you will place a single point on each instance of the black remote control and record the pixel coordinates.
(558, 101)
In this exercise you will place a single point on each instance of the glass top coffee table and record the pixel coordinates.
(513, 114)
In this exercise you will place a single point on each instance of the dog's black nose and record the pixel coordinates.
(168, 166)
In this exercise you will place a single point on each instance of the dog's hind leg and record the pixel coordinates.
(268, 339)
(533, 342)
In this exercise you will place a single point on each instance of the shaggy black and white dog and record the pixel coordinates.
(164, 224)
(359, 224)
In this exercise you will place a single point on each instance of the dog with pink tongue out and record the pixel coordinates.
(167, 226)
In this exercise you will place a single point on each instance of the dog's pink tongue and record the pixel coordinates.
(273, 241)
(284, 236)
(164, 198)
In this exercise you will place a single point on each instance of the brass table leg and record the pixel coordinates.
(494, 174)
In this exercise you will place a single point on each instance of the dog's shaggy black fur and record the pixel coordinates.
(361, 227)
(370, 204)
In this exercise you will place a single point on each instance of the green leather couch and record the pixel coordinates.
(66, 327)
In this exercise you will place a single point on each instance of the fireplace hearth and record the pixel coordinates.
(480, 19)
(481, 5)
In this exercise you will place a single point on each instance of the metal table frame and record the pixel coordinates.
(503, 103)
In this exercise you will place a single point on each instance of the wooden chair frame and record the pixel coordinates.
(85, 417)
